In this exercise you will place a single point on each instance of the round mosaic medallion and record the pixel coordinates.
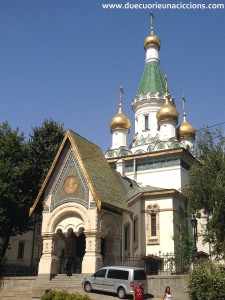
(71, 185)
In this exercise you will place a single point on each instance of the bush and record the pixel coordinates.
(63, 295)
(206, 281)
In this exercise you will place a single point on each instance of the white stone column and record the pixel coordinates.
(92, 259)
(48, 265)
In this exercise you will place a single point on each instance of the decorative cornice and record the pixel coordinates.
(160, 193)
(187, 156)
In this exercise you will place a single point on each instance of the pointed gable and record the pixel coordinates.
(92, 165)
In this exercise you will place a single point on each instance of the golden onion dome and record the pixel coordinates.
(186, 130)
(167, 112)
(152, 39)
(120, 121)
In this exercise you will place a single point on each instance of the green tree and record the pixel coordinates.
(206, 281)
(43, 145)
(184, 241)
(206, 189)
(14, 193)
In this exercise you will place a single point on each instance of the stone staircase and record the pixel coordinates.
(32, 288)
(72, 284)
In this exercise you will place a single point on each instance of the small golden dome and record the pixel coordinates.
(152, 40)
(186, 130)
(167, 112)
(120, 122)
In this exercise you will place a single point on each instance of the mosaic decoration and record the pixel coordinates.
(71, 184)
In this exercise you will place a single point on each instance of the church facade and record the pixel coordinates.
(122, 203)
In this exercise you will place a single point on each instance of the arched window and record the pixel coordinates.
(153, 224)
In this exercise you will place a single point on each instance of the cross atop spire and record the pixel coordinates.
(121, 98)
(184, 106)
(166, 80)
(151, 18)
(167, 89)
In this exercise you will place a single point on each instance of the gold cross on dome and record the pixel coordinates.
(152, 18)
(121, 97)
(184, 104)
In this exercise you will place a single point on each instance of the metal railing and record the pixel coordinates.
(8, 269)
(161, 264)
(130, 261)
(167, 264)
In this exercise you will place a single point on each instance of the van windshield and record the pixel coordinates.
(140, 275)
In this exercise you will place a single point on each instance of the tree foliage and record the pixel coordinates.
(43, 145)
(183, 239)
(63, 295)
(14, 195)
(206, 281)
(23, 167)
(206, 190)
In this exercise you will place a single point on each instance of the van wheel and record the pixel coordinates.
(121, 293)
(87, 287)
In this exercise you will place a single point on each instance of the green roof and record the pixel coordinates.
(152, 79)
(102, 178)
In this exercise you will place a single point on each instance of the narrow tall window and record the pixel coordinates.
(135, 233)
(21, 248)
(146, 122)
(153, 232)
(153, 224)
(127, 238)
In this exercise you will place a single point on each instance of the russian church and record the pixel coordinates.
(123, 202)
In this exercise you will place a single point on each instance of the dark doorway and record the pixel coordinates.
(80, 251)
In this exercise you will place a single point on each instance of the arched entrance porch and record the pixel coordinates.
(63, 232)
(71, 245)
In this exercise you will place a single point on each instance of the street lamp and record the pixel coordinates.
(194, 224)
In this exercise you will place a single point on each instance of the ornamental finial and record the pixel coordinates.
(167, 90)
(121, 98)
(184, 106)
(152, 26)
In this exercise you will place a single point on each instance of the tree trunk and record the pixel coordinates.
(5, 246)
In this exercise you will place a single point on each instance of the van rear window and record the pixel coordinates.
(118, 274)
(139, 275)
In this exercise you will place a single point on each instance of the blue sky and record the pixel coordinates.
(66, 59)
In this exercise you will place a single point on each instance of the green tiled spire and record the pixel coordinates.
(152, 79)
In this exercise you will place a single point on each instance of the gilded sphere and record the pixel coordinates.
(152, 40)
(186, 130)
(167, 112)
(120, 122)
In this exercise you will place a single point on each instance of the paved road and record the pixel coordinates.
(104, 296)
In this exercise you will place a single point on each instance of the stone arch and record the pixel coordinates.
(140, 151)
(66, 211)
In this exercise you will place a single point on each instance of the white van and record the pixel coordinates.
(120, 280)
